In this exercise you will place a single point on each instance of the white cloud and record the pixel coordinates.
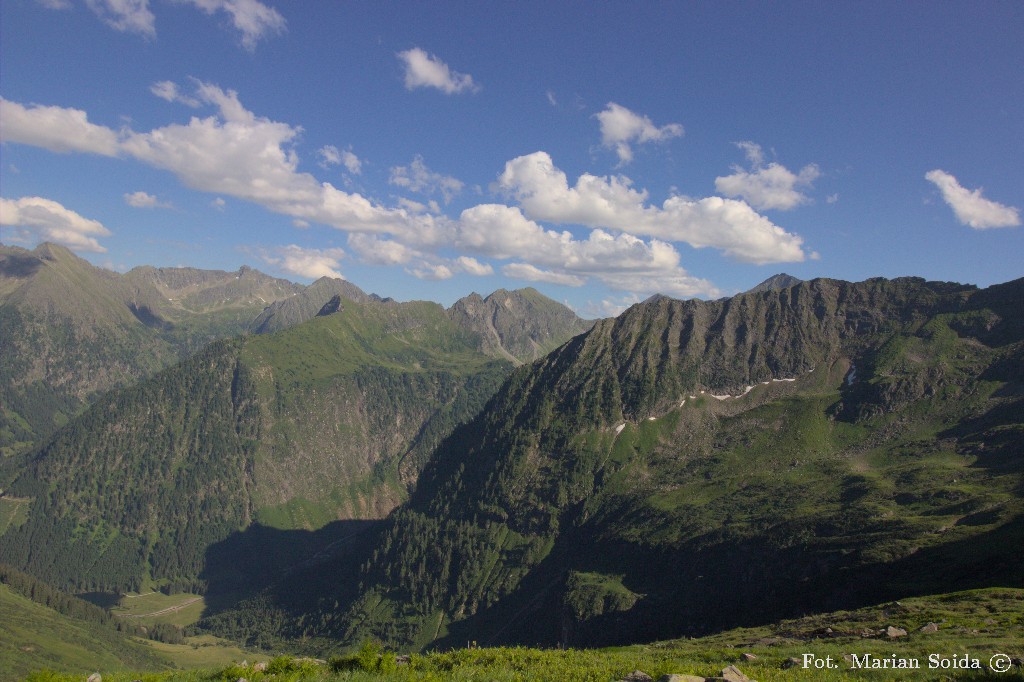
(621, 261)
(832, 198)
(431, 271)
(531, 273)
(50, 221)
(416, 177)
(970, 207)
(424, 70)
(130, 16)
(308, 263)
(144, 200)
(251, 18)
(329, 156)
(332, 156)
(620, 126)
(472, 266)
(351, 162)
(168, 90)
(55, 128)
(218, 203)
(767, 187)
(377, 251)
(301, 224)
(544, 194)
(235, 153)
(55, 4)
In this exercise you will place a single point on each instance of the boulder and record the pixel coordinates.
(748, 657)
(893, 632)
(733, 674)
(676, 677)
(791, 663)
(259, 667)
(95, 677)
(930, 628)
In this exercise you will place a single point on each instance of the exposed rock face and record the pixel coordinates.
(331, 307)
(520, 325)
(779, 281)
(307, 304)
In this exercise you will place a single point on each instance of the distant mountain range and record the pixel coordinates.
(330, 467)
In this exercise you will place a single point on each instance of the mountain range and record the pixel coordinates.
(331, 467)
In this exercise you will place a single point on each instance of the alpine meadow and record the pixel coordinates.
(741, 396)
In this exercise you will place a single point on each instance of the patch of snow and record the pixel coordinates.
(650, 419)
(852, 375)
(682, 402)
(618, 429)
(693, 397)
(765, 383)
(748, 389)
(720, 397)
(783, 380)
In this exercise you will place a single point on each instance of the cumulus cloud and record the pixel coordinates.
(144, 200)
(424, 70)
(302, 262)
(625, 242)
(251, 18)
(55, 128)
(621, 261)
(168, 90)
(130, 16)
(970, 207)
(765, 187)
(472, 266)
(50, 221)
(416, 177)
(611, 202)
(620, 126)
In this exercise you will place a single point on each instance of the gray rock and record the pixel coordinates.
(930, 628)
(894, 632)
(95, 677)
(676, 677)
(748, 657)
(733, 674)
(791, 663)
(259, 667)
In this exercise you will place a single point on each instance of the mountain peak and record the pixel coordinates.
(779, 281)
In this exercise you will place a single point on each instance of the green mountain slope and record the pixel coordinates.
(691, 466)
(330, 420)
(41, 628)
(69, 330)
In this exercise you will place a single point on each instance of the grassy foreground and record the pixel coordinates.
(977, 625)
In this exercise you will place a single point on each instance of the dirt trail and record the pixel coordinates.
(169, 609)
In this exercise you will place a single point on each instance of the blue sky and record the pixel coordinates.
(600, 152)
